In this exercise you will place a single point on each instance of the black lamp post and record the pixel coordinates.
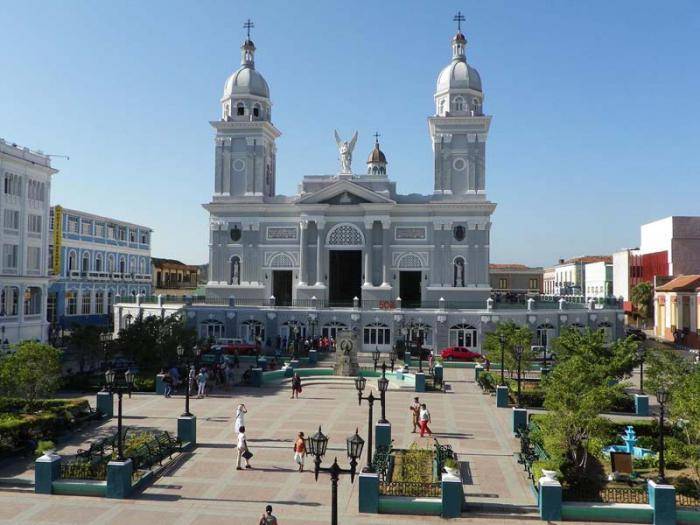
(118, 383)
(392, 357)
(544, 357)
(383, 384)
(181, 355)
(375, 357)
(317, 445)
(419, 346)
(641, 354)
(519, 356)
(502, 340)
(662, 395)
(360, 383)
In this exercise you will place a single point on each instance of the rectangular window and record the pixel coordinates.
(132, 236)
(51, 308)
(13, 184)
(99, 303)
(110, 231)
(533, 284)
(34, 223)
(10, 256)
(71, 303)
(33, 258)
(73, 224)
(86, 228)
(99, 230)
(11, 221)
(502, 284)
(86, 304)
(122, 233)
(144, 238)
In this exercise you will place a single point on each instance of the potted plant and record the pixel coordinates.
(451, 466)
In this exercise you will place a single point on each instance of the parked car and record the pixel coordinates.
(459, 353)
(230, 346)
(636, 334)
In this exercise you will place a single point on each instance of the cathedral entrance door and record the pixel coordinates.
(345, 279)
(282, 287)
(409, 288)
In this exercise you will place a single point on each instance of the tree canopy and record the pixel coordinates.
(32, 372)
(515, 335)
(642, 296)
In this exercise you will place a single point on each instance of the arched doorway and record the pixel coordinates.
(345, 243)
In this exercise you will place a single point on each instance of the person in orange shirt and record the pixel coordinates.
(300, 451)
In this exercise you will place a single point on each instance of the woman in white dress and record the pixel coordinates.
(241, 411)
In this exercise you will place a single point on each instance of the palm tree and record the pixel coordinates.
(641, 296)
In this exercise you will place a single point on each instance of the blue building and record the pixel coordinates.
(92, 260)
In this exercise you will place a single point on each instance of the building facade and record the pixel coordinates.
(671, 246)
(94, 260)
(677, 310)
(24, 238)
(516, 279)
(570, 274)
(169, 274)
(598, 277)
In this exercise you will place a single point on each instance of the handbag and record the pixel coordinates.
(247, 454)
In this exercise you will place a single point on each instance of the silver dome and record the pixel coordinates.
(246, 81)
(458, 75)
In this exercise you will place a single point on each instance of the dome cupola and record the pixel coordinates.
(376, 162)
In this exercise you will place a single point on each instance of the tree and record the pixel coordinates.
(685, 411)
(84, 341)
(665, 368)
(642, 296)
(515, 335)
(33, 371)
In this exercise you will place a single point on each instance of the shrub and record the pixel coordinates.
(547, 464)
(529, 399)
(676, 453)
(42, 446)
(487, 382)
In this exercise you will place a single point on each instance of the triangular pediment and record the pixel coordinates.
(344, 193)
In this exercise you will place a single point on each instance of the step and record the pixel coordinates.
(503, 511)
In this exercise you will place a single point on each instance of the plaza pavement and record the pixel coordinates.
(205, 489)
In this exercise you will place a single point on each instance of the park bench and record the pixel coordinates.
(99, 449)
(168, 443)
(87, 414)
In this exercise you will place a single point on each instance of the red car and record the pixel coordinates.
(459, 353)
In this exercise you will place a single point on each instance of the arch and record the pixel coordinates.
(142, 266)
(458, 267)
(85, 262)
(110, 263)
(458, 103)
(252, 331)
(257, 110)
(463, 335)
(281, 260)
(72, 260)
(128, 319)
(607, 328)
(9, 301)
(410, 261)
(331, 329)
(122, 264)
(292, 327)
(235, 270)
(32, 300)
(240, 109)
(441, 107)
(346, 235)
(98, 262)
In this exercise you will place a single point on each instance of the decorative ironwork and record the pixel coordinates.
(688, 502)
(442, 453)
(382, 462)
(345, 235)
(410, 488)
(281, 260)
(608, 495)
(81, 469)
(410, 260)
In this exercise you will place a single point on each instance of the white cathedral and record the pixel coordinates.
(348, 250)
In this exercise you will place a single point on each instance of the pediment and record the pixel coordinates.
(344, 193)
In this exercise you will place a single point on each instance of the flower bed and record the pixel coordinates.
(410, 472)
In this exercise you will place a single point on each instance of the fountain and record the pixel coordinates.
(630, 446)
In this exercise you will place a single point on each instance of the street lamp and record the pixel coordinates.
(383, 384)
(662, 396)
(317, 445)
(641, 354)
(360, 383)
(181, 355)
(375, 357)
(118, 383)
(502, 339)
(419, 346)
(519, 356)
(392, 356)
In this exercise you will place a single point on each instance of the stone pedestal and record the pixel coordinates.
(119, 479)
(256, 378)
(407, 358)
(662, 499)
(502, 396)
(313, 357)
(105, 403)
(452, 496)
(478, 369)
(346, 354)
(288, 371)
(262, 363)
(420, 382)
(47, 469)
(368, 500)
(160, 386)
(549, 499)
(641, 405)
(519, 419)
(382, 434)
(187, 429)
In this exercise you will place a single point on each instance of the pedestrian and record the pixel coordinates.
(300, 451)
(296, 385)
(191, 379)
(201, 384)
(415, 413)
(243, 451)
(236, 359)
(431, 361)
(268, 518)
(168, 384)
(423, 420)
(241, 411)
(175, 374)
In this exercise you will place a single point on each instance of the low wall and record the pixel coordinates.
(278, 375)
(610, 512)
(408, 505)
(687, 517)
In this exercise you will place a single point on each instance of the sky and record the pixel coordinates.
(595, 105)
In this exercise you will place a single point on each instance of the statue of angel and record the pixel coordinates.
(345, 148)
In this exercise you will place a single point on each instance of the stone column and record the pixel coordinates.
(319, 252)
(303, 226)
(386, 251)
(369, 248)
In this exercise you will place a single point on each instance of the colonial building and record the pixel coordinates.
(516, 279)
(24, 237)
(677, 310)
(598, 277)
(169, 274)
(349, 250)
(570, 274)
(94, 259)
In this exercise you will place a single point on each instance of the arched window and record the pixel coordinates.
(463, 335)
(347, 235)
(86, 263)
(98, 262)
(441, 109)
(377, 335)
(240, 109)
(122, 265)
(235, 270)
(578, 326)
(72, 261)
(458, 271)
(252, 331)
(110, 263)
(128, 320)
(331, 329)
(544, 335)
(476, 105)
(256, 110)
(458, 103)
(142, 266)
(291, 329)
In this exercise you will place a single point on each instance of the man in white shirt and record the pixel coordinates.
(242, 447)
(423, 420)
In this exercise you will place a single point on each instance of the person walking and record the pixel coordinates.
(423, 420)
(201, 384)
(300, 451)
(168, 384)
(268, 518)
(242, 447)
(296, 385)
(415, 413)
(241, 411)
(191, 379)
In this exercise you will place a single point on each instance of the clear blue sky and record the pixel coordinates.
(596, 106)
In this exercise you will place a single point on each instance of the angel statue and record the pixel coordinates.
(345, 148)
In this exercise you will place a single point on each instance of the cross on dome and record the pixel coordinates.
(459, 18)
(248, 26)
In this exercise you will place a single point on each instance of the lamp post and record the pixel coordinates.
(118, 383)
(392, 357)
(544, 357)
(502, 340)
(662, 396)
(317, 445)
(360, 383)
(641, 354)
(375, 357)
(181, 355)
(383, 384)
(419, 346)
(519, 356)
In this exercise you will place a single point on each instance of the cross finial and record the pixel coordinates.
(247, 26)
(376, 137)
(459, 18)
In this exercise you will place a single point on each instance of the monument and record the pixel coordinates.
(346, 354)
(345, 149)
